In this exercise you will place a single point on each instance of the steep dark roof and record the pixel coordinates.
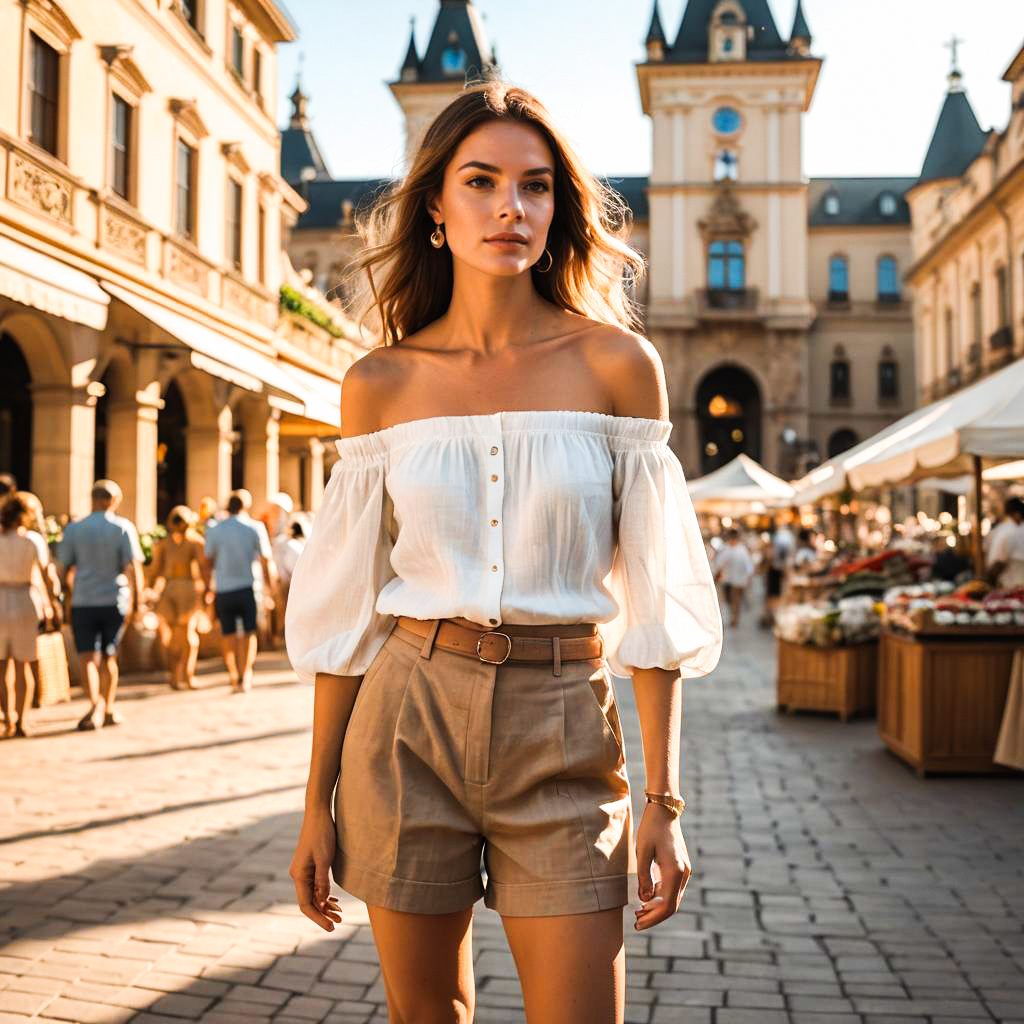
(298, 150)
(691, 45)
(957, 139)
(800, 27)
(325, 199)
(655, 34)
(634, 191)
(458, 24)
(412, 58)
(859, 201)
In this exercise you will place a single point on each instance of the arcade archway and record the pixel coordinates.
(15, 412)
(728, 416)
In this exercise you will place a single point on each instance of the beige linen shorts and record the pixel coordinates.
(447, 758)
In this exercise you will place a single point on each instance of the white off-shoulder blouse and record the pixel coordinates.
(527, 517)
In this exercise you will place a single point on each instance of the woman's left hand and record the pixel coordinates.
(660, 843)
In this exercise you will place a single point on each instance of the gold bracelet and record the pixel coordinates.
(675, 804)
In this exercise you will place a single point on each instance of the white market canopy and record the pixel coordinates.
(986, 419)
(739, 486)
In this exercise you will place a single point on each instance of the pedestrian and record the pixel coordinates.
(504, 454)
(783, 543)
(734, 569)
(805, 554)
(207, 509)
(1006, 552)
(20, 571)
(287, 547)
(8, 485)
(181, 582)
(237, 547)
(103, 560)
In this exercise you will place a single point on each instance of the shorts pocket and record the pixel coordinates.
(593, 733)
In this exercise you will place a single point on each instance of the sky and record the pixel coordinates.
(874, 109)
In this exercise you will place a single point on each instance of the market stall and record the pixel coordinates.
(739, 487)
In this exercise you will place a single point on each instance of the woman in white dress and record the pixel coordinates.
(506, 527)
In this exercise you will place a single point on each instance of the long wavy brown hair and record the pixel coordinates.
(401, 283)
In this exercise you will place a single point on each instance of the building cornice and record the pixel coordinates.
(986, 206)
(806, 69)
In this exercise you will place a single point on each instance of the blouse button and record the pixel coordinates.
(494, 451)
(494, 477)
(494, 568)
(493, 622)
(494, 522)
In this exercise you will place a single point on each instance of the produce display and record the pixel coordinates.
(848, 621)
(939, 607)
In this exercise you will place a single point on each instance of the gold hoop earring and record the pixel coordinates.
(437, 237)
(551, 262)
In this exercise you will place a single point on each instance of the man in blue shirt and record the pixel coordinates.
(233, 547)
(104, 562)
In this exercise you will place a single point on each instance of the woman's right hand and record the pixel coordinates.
(310, 869)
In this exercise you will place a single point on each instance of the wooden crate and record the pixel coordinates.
(840, 679)
(941, 700)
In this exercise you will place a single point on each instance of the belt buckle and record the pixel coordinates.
(487, 661)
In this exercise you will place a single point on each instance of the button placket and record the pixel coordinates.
(494, 461)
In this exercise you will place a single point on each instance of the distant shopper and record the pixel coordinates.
(181, 578)
(805, 554)
(104, 561)
(207, 512)
(734, 568)
(1006, 553)
(783, 544)
(20, 570)
(237, 547)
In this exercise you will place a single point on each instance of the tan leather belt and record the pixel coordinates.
(577, 642)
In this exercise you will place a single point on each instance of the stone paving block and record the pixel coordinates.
(178, 1004)
(86, 1013)
(737, 1016)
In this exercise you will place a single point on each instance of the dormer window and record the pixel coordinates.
(887, 204)
(727, 32)
(453, 57)
(832, 204)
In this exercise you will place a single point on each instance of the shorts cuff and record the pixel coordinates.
(405, 894)
(553, 899)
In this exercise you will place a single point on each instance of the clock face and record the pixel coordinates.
(726, 120)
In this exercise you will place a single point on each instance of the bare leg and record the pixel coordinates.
(572, 968)
(227, 644)
(737, 604)
(90, 677)
(246, 657)
(22, 696)
(108, 681)
(191, 656)
(427, 964)
(6, 701)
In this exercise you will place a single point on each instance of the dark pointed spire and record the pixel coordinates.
(800, 27)
(411, 65)
(299, 99)
(958, 138)
(655, 34)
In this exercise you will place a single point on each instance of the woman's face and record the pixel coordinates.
(497, 199)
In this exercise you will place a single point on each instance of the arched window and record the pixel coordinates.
(726, 265)
(888, 280)
(838, 279)
(888, 376)
(840, 441)
(839, 376)
(727, 165)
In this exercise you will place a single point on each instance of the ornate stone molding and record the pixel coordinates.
(240, 298)
(232, 152)
(186, 113)
(49, 15)
(185, 269)
(32, 185)
(123, 235)
(727, 218)
(123, 69)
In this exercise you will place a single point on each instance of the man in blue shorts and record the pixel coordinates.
(104, 562)
(233, 547)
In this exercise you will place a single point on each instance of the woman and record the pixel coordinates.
(448, 602)
(178, 564)
(20, 572)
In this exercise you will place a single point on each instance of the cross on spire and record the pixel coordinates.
(953, 45)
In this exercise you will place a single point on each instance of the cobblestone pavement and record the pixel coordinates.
(144, 870)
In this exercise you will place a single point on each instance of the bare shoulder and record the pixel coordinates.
(363, 388)
(631, 369)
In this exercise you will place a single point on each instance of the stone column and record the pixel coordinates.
(131, 455)
(261, 458)
(290, 472)
(209, 460)
(63, 446)
(315, 474)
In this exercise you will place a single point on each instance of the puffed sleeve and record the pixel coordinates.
(669, 615)
(331, 622)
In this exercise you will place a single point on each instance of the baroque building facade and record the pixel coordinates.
(142, 219)
(775, 301)
(968, 243)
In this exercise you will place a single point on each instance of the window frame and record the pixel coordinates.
(887, 295)
(257, 76)
(888, 377)
(261, 241)
(837, 296)
(53, 104)
(840, 386)
(190, 234)
(1002, 296)
(728, 259)
(128, 193)
(236, 50)
(234, 223)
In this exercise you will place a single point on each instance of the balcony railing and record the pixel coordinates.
(727, 302)
(1001, 339)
